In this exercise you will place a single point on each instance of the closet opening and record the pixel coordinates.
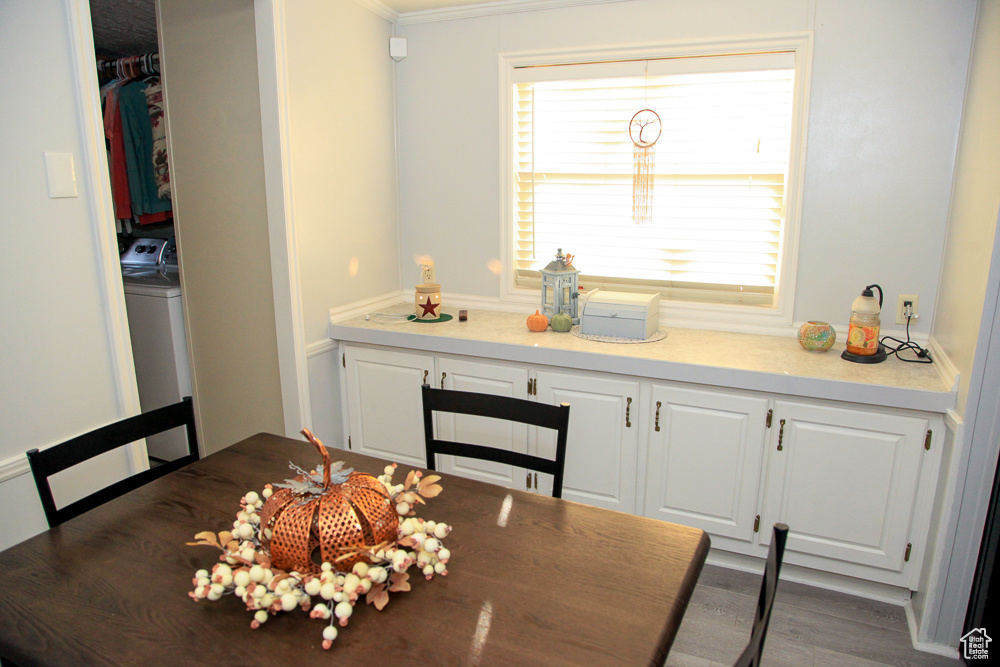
(129, 76)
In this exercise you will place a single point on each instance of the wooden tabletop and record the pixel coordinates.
(559, 583)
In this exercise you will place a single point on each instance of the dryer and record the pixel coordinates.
(156, 326)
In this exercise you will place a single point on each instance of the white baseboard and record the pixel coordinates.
(834, 582)
(803, 575)
(926, 647)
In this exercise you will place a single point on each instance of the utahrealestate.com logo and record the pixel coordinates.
(976, 645)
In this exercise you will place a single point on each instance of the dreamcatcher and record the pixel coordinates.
(644, 130)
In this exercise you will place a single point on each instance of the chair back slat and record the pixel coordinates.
(555, 417)
(48, 462)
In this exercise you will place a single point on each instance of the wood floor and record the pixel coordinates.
(809, 626)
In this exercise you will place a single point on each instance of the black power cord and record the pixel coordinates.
(923, 356)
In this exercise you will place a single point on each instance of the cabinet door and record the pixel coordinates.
(384, 403)
(483, 378)
(705, 451)
(602, 441)
(844, 481)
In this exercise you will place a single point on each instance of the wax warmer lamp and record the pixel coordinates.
(863, 345)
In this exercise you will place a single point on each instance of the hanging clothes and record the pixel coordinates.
(161, 172)
(138, 140)
(114, 134)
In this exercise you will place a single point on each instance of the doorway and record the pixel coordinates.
(126, 50)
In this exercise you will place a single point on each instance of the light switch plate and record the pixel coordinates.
(60, 175)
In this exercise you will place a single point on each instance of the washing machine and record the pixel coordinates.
(156, 326)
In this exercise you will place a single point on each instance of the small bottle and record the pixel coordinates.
(862, 334)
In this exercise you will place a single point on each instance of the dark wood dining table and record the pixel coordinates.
(532, 580)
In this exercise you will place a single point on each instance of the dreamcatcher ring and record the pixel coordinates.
(641, 128)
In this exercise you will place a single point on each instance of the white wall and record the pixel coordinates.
(209, 58)
(885, 108)
(960, 328)
(342, 156)
(972, 224)
(58, 374)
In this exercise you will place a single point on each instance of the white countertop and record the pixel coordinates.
(773, 364)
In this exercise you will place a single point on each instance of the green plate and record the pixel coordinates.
(444, 318)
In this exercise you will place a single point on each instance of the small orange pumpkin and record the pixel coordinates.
(538, 322)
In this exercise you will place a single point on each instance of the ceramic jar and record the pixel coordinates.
(427, 301)
(818, 336)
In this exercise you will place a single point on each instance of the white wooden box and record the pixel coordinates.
(621, 314)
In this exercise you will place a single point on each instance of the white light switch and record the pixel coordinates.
(60, 175)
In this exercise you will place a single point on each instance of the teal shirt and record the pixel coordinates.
(138, 135)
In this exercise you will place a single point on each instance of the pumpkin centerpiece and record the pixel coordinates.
(335, 519)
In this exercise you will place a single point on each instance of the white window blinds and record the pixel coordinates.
(721, 166)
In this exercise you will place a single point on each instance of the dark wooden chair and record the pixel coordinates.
(67, 454)
(765, 602)
(555, 417)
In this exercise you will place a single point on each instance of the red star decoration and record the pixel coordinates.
(429, 308)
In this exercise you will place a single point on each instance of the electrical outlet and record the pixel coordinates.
(901, 308)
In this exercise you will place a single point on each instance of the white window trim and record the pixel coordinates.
(674, 313)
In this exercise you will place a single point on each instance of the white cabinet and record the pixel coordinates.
(385, 419)
(602, 444)
(383, 402)
(855, 485)
(844, 481)
(847, 481)
(704, 459)
(483, 378)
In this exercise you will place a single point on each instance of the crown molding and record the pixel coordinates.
(488, 9)
(377, 8)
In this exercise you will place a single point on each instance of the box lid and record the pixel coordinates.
(626, 305)
(630, 298)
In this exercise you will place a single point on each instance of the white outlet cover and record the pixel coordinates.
(900, 318)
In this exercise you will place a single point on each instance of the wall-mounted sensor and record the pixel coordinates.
(397, 48)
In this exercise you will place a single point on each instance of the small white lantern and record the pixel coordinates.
(560, 287)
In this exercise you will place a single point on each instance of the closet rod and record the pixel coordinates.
(129, 66)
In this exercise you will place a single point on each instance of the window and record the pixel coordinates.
(724, 160)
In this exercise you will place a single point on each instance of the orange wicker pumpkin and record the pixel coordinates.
(301, 531)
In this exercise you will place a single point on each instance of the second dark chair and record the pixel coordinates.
(554, 417)
(48, 462)
(765, 602)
